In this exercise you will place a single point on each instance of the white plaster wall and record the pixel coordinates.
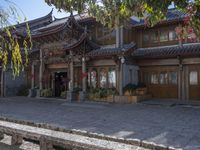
(126, 74)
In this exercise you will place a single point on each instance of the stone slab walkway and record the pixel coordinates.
(175, 126)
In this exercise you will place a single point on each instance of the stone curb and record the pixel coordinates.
(136, 142)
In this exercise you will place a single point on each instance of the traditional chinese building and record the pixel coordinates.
(76, 53)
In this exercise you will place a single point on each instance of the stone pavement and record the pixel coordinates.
(174, 125)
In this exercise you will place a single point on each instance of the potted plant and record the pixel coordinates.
(129, 89)
(141, 89)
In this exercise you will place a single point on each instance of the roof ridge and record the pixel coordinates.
(48, 16)
(168, 46)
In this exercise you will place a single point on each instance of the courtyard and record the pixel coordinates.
(176, 126)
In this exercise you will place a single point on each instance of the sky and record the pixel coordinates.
(35, 8)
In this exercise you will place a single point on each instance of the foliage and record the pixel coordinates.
(115, 13)
(98, 93)
(63, 94)
(13, 45)
(130, 88)
(23, 90)
(46, 93)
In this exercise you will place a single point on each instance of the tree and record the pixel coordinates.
(14, 45)
(153, 11)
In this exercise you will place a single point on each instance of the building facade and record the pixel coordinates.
(76, 54)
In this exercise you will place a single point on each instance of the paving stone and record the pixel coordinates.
(172, 126)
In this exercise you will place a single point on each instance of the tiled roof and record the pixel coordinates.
(39, 22)
(192, 49)
(172, 15)
(61, 21)
(112, 51)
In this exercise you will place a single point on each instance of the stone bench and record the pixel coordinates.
(50, 138)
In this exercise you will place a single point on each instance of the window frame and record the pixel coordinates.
(197, 77)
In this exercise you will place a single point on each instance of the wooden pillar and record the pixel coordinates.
(71, 88)
(121, 76)
(187, 82)
(180, 79)
(117, 76)
(179, 83)
(41, 71)
(84, 72)
(182, 70)
(32, 75)
(84, 84)
(53, 83)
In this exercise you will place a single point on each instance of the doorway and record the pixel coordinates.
(61, 83)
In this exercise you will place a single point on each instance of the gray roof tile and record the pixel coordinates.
(192, 49)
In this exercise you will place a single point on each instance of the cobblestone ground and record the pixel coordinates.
(172, 126)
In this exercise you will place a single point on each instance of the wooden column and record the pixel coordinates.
(117, 76)
(121, 76)
(187, 82)
(84, 84)
(53, 83)
(71, 72)
(179, 83)
(180, 77)
(32, 75)
(41, 71)
(84, 72)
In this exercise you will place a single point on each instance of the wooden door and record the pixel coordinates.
(194, 82)
(162, 82)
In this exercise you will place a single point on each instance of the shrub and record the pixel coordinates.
(63, 94)
(46, 93)
(130, 88)
(101, 93)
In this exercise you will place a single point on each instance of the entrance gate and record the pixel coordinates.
(61, 83)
